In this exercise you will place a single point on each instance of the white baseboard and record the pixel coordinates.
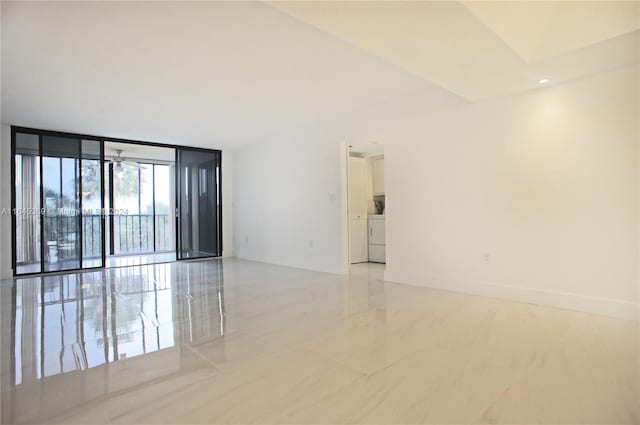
(570, 301)
(312, 268)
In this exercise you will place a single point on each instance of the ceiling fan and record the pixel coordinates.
(118, 161)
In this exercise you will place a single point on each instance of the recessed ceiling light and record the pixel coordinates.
(544, 80)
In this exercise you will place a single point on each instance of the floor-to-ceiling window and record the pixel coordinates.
(91, 168)
(55, 179)
(142, 198)
(62, 218)
(163, 205)
(78, 205)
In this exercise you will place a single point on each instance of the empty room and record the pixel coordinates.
(322, 212)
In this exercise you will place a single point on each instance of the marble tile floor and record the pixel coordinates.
(233, 341)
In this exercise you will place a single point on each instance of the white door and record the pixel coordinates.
(358, 250)
(376, 232)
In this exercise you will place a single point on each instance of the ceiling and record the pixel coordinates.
(481, 50)
(540, 30)
(194, 73)
(224, 74)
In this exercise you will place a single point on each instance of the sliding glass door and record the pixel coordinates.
(57, 198)
(61, 183)
(91, 203)
(199, 203)
(62, 219)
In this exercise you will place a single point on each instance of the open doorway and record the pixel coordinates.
(366, 209)
(140, 194)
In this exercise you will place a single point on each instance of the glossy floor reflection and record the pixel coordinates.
(241, 342)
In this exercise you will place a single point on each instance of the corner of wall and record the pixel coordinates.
(228, 248)
(5, 202)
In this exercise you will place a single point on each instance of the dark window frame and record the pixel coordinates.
(40, 133)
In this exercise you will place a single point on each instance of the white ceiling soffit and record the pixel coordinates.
(486, 49)
(540, 30)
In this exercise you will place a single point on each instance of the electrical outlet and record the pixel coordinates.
(486, 257)
(246, 239)
(311, 243)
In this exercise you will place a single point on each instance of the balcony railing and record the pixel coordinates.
(132, 234)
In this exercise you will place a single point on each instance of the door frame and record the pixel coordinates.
(345, 199)
(352, 161)
(346, 209)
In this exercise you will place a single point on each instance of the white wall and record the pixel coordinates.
(531, 197)
(287, 204)
(545, 183)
